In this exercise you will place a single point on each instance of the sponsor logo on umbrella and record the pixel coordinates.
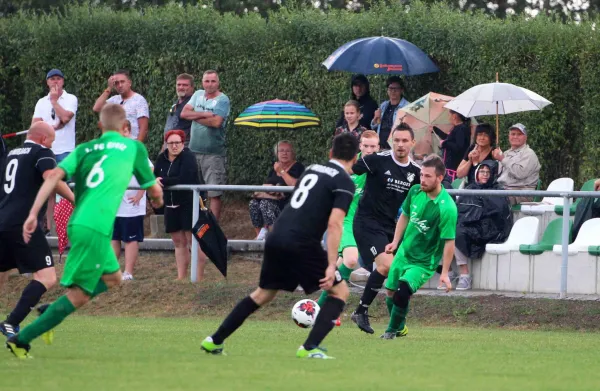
(389, 67)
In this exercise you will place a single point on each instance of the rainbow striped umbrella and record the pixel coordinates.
(277, 114)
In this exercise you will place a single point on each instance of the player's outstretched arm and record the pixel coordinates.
(447, 260)
(334, 234)
(62, 188)
(398, 233)
(155, 193)
(53, 177)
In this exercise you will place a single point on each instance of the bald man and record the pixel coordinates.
(23, 173)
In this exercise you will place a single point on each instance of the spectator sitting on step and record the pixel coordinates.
(519, 166)
(481, 220)
(266, 206)
(177, 166)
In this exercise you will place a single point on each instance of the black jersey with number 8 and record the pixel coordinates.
(319, 190)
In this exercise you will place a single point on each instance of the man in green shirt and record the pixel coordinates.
(101, 169)
(369, 144)
(427, 228)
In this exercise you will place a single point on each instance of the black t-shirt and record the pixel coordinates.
(387, 185)
(174, 120)
(387, 121)
(471, 174)
(304, 219)
(273, 179)
(21, 180)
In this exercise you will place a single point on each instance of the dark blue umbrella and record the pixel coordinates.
(380, 56)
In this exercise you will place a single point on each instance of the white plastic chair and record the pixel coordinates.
(524, 231)
(548, 203)
(589, 235)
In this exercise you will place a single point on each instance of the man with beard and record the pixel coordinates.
(185, 89)
(390, 175)
(427, 228)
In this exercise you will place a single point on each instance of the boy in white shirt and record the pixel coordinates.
(129, 223)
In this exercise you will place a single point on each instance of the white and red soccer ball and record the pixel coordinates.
(304, 313)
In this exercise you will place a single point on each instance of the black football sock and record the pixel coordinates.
(29, 299)
(374, 284)
(234, 320)
(330, 311)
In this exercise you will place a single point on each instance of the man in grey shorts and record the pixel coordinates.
(209, 109)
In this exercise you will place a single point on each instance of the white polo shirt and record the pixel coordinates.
(135, 107)
(65, 136)
(127, 209)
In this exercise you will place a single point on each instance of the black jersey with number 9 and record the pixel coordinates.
(319, 190)
(22, 177)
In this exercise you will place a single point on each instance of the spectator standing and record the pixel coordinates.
(129, 223)
(59, 109)
(361, 92)
(177, 166)
(385, 116)
(520, 167)
(454, 144)
(135, 105)
(185, 89)
(265, 207)
(352, 120)
(208, 109)
(485, 142)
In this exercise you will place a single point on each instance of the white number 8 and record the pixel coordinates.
(96, 175)
(301, 193)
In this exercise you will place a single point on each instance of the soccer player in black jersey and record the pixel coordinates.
(293, 254)
(390, 175)
(23, 173)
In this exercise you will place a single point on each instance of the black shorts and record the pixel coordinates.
(371, 239)
(28, 258)
(129, 229)
(285, 267)
(178, 219)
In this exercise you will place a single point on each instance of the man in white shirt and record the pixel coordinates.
(58, 109)
(135, 105)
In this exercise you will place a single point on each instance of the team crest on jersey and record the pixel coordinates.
(410, 177)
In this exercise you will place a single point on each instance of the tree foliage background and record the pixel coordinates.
(280, 57)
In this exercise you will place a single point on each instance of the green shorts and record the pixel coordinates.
(402, 270)
(347, 239)
(90, 257)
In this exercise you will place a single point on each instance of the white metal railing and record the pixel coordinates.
(566, 195)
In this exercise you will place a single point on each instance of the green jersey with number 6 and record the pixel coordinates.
(101, 170)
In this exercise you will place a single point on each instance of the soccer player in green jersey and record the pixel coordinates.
(101, 169)
(427, 228)
(369, 144)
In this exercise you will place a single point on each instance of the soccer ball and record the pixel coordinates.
(304, 313)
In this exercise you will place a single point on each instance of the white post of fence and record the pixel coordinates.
(565, 247)
(194, 244)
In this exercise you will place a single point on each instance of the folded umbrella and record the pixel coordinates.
(211, 238)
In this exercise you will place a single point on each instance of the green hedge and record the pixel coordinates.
(280, 57)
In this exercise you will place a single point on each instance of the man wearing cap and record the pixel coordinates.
(58, 109)
(520, 165)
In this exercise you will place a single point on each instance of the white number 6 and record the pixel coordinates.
(96, 175)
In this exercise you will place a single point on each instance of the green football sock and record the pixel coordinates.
(345, 272)
(397, 319)
(389, 302)
(322, 298)
(52, 317)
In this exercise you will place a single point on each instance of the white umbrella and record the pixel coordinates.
(496, 98)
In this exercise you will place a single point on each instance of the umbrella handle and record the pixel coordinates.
(202, 204)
